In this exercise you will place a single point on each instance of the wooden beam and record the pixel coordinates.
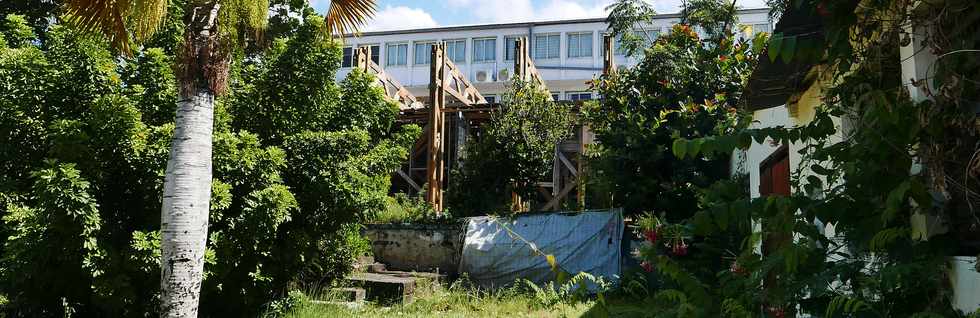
(459, 87)
(393, 89)
(524, 68)
(609, 55)
(567, 163)
(437, 96)
(553, 204)
(409, 180)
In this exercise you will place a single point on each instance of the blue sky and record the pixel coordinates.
(410, 14)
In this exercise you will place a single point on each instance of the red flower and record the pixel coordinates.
(776, 312)
(722, 58)
(680, 249)
(651, 235)
(647, 266)
(737, 269)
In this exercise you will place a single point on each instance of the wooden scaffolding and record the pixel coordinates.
(453, 110)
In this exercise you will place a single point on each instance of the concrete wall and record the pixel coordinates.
(417, 247)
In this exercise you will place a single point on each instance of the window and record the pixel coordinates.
(375, 53)
(555, 96)
(490, 98)
(423, 52)
(617, 47)
(547, 46)
(579, 96)
(756, 28)
(484, 50)
(348, 59)
(510, 44)
(397, 54)
(456, 50)
(580, 44)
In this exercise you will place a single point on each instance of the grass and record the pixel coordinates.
(456, 301)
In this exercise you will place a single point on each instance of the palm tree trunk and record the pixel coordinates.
(187, 187)
(184, 217)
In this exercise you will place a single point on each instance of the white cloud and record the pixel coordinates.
(400, 18)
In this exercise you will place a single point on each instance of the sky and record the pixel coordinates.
(413, 14)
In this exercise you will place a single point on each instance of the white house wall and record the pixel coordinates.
(562, 74)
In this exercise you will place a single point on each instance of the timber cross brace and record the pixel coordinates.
(467, 109)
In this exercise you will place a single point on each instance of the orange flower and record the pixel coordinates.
(723, 58)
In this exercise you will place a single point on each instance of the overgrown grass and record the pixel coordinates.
(459, 300)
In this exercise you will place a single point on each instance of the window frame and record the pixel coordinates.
(347, 58)
(454, 50)
(537, 40)
(568, 95)
(427, 55)
(493, 51)
(579, 35)
(388, 47)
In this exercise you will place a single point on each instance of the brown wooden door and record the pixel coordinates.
(774, 174)
(774, 181)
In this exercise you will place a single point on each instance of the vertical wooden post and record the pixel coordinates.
(361, 57)
(520, 74)
(520, 58)
(437, 96)
(609, 56)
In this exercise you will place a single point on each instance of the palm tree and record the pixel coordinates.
(211, 30)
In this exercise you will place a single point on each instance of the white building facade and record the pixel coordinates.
(567, 53)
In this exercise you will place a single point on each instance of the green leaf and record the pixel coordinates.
(694, 147)
(788, 49)
(818, 169)
(679, 148)
(775, 44)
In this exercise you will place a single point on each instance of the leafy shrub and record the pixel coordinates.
(401, 208)
(513, 151)
(85, 138)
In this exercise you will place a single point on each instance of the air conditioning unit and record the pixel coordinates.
(482, 77)
(503, 75)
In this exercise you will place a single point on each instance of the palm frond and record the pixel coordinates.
(345, 16)
(121, 21)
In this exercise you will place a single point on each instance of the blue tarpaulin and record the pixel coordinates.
(497, 251)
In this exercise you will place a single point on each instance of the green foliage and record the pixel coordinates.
(513, 152)
(16, 31)
(85, 138)
(683, 87)
(52, 254)
(869, 184)
(401, 208)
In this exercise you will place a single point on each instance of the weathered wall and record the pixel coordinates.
(417, 247)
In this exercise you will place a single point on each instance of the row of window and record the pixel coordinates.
(545, 46)
(484, 50)
(572, 96)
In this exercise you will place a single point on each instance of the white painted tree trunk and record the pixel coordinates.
(184, 216)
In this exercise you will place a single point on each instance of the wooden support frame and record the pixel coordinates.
(609, 56)
(437, 99)
(451, 93)
(524, 68)
(392, 88)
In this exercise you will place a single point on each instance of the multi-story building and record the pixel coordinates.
(567, 53)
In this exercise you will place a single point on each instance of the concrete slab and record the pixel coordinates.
(385, 289)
